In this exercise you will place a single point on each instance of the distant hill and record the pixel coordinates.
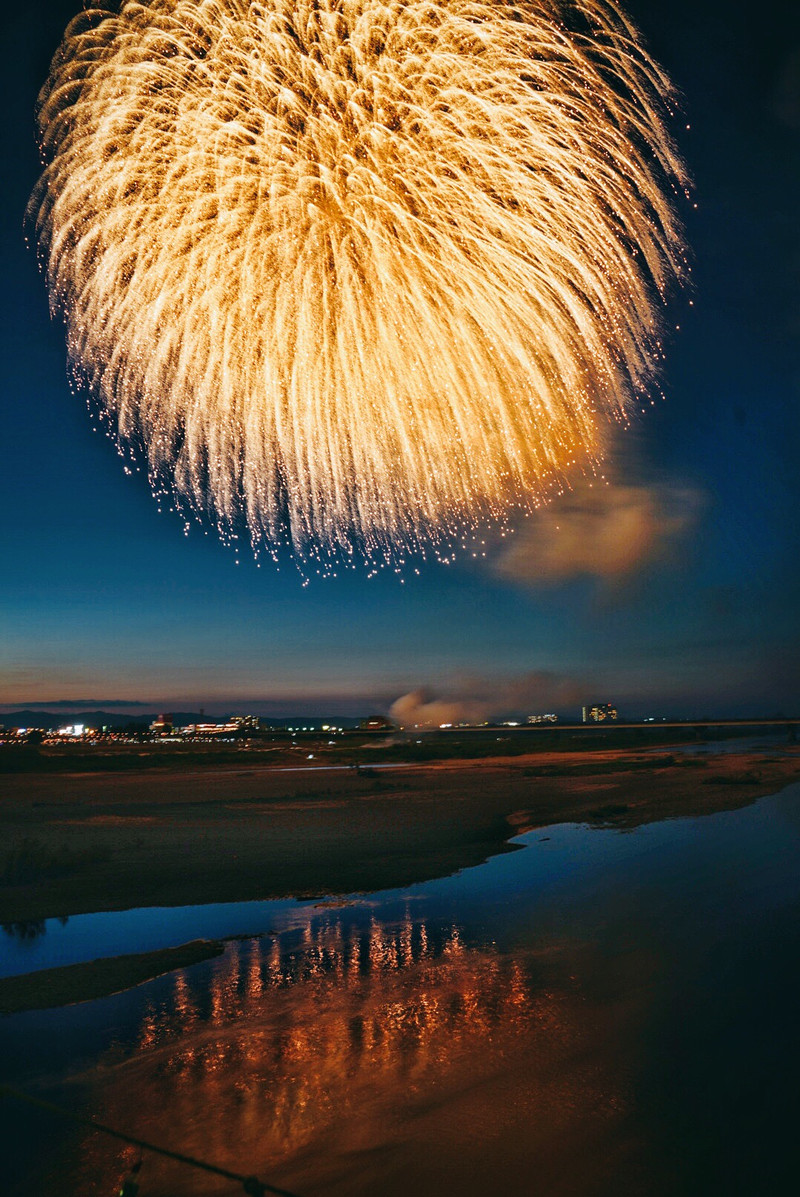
(50, 719)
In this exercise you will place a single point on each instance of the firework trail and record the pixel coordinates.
(362, 273)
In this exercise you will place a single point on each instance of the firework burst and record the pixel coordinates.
(361, 273)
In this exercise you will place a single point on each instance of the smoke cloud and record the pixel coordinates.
(605, 531)
(478, 700)
(420, 709)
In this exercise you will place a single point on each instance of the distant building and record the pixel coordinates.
(599, 713)
(550, 718)
(375, 723)
(212, 729)
(162, 726)
(246, 722)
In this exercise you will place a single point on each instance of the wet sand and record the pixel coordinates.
(76, 843)
(51, 987)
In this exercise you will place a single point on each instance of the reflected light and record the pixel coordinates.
(348, 1056)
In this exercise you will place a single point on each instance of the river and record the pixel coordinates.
(598, 1013)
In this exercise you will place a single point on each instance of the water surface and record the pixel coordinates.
(598, 1013)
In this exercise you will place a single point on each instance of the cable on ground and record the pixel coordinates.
(251, 1185)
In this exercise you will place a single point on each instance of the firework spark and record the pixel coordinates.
(362, 273)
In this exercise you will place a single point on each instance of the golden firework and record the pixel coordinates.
(362, 273)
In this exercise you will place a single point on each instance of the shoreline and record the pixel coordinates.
(69, 984)
(78, 843)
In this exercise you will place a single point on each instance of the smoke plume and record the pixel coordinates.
(608, 532)
(478, 700)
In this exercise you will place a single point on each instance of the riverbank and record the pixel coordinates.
(51, 987)
(76, 843)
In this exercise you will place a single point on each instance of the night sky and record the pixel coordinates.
(674, 591)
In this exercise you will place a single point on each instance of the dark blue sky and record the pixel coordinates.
(678, 591)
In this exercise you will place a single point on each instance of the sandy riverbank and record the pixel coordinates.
(84, 982)
(77, 843)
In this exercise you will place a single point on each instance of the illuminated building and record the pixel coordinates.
(245, 722)
(600, 712)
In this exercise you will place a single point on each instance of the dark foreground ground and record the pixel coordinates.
(76, 843)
